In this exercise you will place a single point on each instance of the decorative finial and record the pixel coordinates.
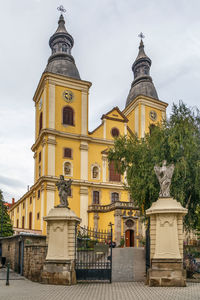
(61, 9)
(141, 35)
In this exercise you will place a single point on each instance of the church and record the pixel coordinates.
(64, 145)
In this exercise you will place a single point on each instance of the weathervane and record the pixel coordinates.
(61, 9)
(141, 35)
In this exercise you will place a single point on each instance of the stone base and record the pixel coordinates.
(166, 272)
(59, 272)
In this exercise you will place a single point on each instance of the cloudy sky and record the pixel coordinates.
(106, 44)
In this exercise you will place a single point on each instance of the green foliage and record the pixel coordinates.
(176, 140)
(7, 226)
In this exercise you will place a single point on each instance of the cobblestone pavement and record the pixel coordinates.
(13, 275)
(27, 290)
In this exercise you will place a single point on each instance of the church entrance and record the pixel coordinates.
(129, 237)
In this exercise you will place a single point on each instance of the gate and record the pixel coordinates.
(93, 254)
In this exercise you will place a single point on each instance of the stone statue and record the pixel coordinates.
(164, 175)
(63, 187)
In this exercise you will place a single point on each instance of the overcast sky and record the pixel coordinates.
(106, 45)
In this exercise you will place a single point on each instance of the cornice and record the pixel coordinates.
(56, 79)
(147, 101)
(80, 137)
(50, 185)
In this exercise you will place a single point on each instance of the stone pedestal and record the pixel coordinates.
(166, 247)
(59, 263)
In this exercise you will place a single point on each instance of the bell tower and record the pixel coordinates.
(143, 106)
(61, 126)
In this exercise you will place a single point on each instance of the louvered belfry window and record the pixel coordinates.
(68, 116)
(113, 175)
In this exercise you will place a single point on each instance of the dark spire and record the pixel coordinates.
(142, 84)
(61, 61)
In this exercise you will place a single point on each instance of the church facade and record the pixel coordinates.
(64, 146)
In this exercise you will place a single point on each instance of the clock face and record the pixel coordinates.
(68, 96)
(40, 104)
(153, 115)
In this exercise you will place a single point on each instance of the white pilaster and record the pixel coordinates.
(52, 106)
(35, 166)
(43, 158)
(84, 111)
(137, 120)
(84, 160)
(50, 197)
(44, 108)
(51, 155)
(84, 206)
(104, 163)
(142, 120)
(42, 209)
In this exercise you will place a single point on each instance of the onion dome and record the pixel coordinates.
(61, 61)
(142, 84)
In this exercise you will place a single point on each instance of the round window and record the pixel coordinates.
(115, 132)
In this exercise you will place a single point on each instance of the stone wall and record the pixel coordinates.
(128, 264)
(34, 258)
(13, 248)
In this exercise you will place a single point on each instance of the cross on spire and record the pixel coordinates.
(61, 9)
(141, 35)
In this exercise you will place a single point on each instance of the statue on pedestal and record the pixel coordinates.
(64, 187)
(164, 175)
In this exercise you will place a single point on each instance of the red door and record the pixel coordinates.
(129, 236)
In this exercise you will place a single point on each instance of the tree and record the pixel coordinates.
(176, 140)
(5, 223)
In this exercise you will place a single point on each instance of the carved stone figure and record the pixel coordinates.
(63, 187)
(164, 175)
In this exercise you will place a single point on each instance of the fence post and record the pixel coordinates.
(8, 273)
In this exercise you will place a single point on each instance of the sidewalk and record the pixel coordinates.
(27, 290)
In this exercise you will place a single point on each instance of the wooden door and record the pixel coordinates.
(129, 237)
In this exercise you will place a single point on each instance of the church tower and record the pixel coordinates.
(143, 106)
(61, 109)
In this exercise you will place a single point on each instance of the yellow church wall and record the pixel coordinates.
(131, 122)
(38, 111)
(75, 105)
(148, 120)
(91, 220)
(105, 219)
(95, 157)
(62, 143)
(98, 132)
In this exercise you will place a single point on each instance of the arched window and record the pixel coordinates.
(113, 175)
(114, 197)
(67, 169)
(95, 197)
(95, 172)
(40, 122)
(68, 116)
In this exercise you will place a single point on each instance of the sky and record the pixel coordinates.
(106, 45)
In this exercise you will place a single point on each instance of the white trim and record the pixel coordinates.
(84, 111)
(142, 120)
(83, 209)
(51, 156)
(50, 200)
(42, 210)
(71, 168)
(52, 106)
(43, 159)
(137, 120)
